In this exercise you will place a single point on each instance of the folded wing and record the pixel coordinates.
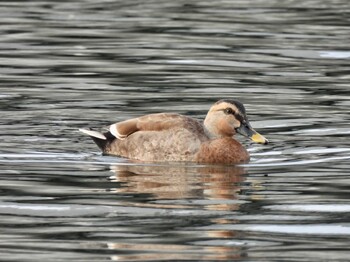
(152, 122)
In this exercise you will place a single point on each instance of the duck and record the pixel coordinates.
(171, 137)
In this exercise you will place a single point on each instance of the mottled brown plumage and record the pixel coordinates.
(173, 137)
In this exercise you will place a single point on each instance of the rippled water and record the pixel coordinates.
(72, 64)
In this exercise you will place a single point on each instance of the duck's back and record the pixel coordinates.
(158, 137)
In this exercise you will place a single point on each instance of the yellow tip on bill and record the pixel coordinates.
(257, 138)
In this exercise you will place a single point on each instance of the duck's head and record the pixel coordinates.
(228, 117)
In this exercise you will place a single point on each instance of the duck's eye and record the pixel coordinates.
(229, 111)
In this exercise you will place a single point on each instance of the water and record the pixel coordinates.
(74, 64)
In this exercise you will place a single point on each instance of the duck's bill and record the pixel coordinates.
(257, 138)
(248, 131)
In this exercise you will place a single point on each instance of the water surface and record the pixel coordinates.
(75, 64)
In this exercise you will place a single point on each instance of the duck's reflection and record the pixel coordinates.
(214, 188)
(165, 183)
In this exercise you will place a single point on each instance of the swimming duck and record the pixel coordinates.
(166, 137)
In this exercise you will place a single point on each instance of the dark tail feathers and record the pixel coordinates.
(101, 140)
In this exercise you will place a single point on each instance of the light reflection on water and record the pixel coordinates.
(70, 65)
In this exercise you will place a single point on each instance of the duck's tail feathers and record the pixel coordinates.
(93, 133)
(100, 139)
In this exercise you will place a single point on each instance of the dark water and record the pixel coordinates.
(71, 64)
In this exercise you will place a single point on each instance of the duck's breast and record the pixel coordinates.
(222, 151)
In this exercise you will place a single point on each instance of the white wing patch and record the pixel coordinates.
(114, 131)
